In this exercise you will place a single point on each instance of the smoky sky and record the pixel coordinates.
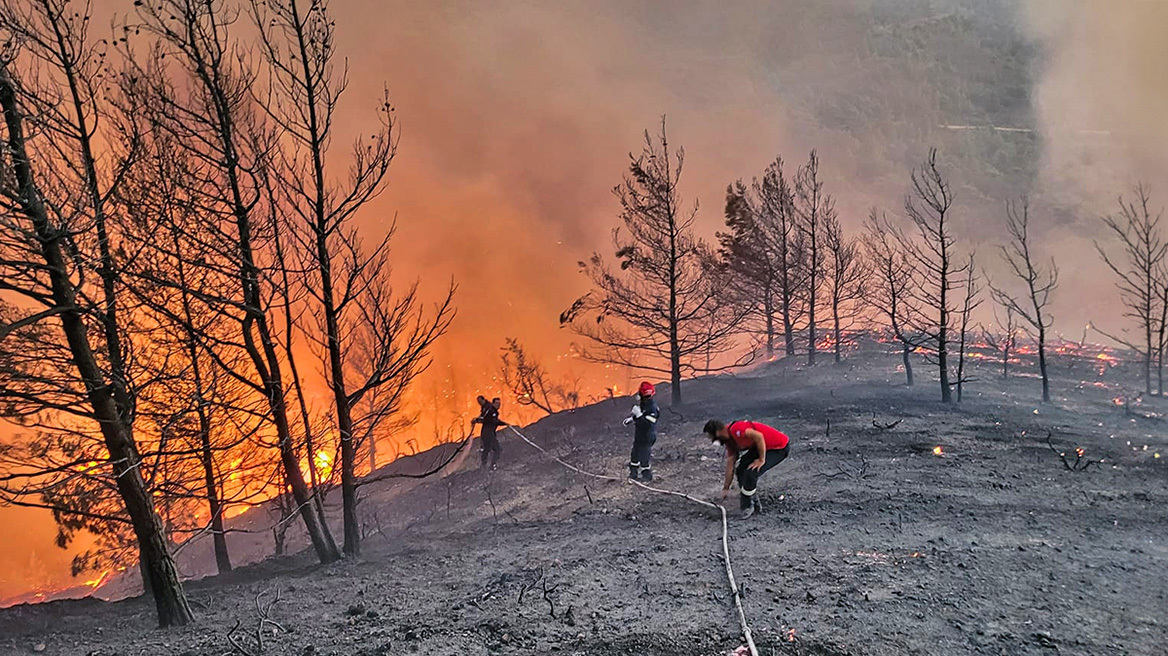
(517, 118)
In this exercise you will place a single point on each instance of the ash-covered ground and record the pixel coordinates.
(870, 542)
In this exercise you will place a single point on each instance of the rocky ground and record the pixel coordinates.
(871, 543)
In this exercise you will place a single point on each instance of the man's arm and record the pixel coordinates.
(760, 445)
(730, 459)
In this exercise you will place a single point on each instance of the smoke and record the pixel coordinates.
(1099, 96)
(517, 120)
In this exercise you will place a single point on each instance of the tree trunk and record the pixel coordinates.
(1042, 364)
(314, 521)
(222, 556)
(1148, 353)
(788, 327)
(838, 332)
(908, 372)
(352, 526)
(675, 370)
(161, 575)
(943, 325)
(943, 360)
(769, 309)
(811, 336)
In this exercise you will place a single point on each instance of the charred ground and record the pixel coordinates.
(870, 544)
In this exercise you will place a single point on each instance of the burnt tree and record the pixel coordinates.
(745, 250)
(814, 209)
(337, 267)
(59, 256)
(527, 379)
(892, 283)
(846, 274)
(1040, 282)
(935, 261)
(1005, 342)
(662, 302)
(1137, 271)
(971, 302)
(211, 112)
(777, 217)
(763, 248)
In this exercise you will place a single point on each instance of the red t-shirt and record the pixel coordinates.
(772, 437)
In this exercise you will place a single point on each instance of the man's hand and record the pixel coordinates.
(756, 465)
(725, 493)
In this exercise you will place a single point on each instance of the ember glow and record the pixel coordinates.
(937, 451)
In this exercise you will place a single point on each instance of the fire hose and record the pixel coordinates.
(734, 589)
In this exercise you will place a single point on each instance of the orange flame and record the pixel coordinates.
(937, 451)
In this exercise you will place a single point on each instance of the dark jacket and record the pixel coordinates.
(489, 418)
(646, 423)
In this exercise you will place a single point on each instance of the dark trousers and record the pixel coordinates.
(748, 478)
(490, 448)
(642, 451)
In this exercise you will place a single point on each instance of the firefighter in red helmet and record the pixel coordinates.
(644, 417)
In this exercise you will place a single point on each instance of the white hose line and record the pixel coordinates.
(725, 533)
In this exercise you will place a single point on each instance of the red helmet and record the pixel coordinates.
(646, 389)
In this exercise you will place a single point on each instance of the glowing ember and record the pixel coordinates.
(937, 451)
(1079, 451)
(790, 635)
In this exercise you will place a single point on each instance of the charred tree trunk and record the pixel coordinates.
(835, 315)
(908, 372)
(1006, 361)
(788, 326)
(943, 347)
(768, 307)
(214, 505)
(161, 575)
(811, 335)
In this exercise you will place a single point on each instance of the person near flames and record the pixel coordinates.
(644, 418)
(489, 423)
(752, 449)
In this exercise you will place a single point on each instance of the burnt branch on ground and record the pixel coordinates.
(855, 472)
(264, 612)
(1080, 462)
(526, 587)
(548, 592)
(885, 426)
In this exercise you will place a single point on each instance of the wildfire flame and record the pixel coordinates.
(324, 463)
(96, 583)
(937, 451)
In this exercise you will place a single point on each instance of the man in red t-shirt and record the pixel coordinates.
(751, 449)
